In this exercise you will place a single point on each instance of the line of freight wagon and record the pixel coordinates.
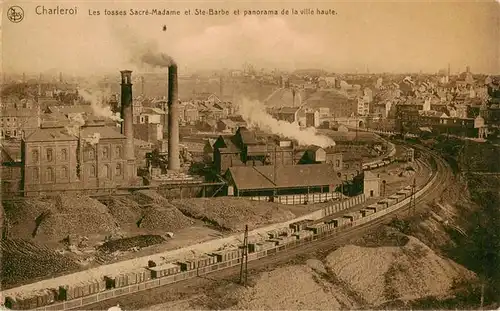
(67, 296)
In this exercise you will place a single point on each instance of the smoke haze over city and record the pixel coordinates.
(379, 36)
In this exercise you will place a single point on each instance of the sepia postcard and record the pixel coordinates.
(250, 155)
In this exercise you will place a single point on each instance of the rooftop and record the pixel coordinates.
(291, 176)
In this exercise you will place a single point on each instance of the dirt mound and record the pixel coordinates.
(23, 216)
(156, 217)
(124, 209)
(299, 288)
(406, 273)
(146, 197)
(128, 243)
(233, 213)
(24, 261)
(76, 214)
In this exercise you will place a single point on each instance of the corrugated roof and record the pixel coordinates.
(291, 176)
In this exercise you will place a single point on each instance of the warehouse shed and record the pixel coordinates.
(281, 180)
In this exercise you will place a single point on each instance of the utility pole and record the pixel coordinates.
(244, 259)
(413, 202)
(275, 171)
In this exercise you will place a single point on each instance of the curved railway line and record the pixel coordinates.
(193, 286)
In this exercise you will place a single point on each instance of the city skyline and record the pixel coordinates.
(379, 36)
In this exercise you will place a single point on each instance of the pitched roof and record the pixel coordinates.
(105, 132)
(50, 134)
(151, 110)
(291, 176)
(248, 137)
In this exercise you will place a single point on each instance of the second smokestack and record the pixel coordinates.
(174, 162)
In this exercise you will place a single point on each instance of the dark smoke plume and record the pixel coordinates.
(157, 59)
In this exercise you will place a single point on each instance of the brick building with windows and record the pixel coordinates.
(55, 160)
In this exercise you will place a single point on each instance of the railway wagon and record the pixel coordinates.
(81, 289)
(366, 212)
(395, 198)
(404, 193)
(34, 300)
(352, 216)
(391, 201)
(303, 234)
(373, 207)
(300, 225)
(228, 255)
(383, 204)
(165, 270)
(317, 228)
(276, 233)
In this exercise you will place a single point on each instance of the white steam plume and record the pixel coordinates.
(254, 113)
(99, 109)
(92, 139)
(75, 122)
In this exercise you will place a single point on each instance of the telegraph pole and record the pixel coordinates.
(244, 260)
(413, 202)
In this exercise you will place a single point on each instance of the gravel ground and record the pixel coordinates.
(381, 274)
(233, 213)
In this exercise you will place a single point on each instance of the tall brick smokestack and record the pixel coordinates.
(127, 123)
(174, 162)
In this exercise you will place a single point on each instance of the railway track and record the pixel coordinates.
(193, 287)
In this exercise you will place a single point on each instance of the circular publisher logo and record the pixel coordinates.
(15, 14)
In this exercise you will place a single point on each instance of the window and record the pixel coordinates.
(34, 155)
(2, 133)
(118, 152)
(91, 154)
(49, 174)
(15, 133)
(118, 169)
(92, 171)
(35, 174)
(64, 172)
(107, 171)
(337, 163)
(64, 155)
(49, 155)
(105, 153)
(371, 193)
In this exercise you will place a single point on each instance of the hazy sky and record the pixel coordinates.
(381, 35)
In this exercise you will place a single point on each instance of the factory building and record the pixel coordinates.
(55, 159)
(246, 149)
(65, 156)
